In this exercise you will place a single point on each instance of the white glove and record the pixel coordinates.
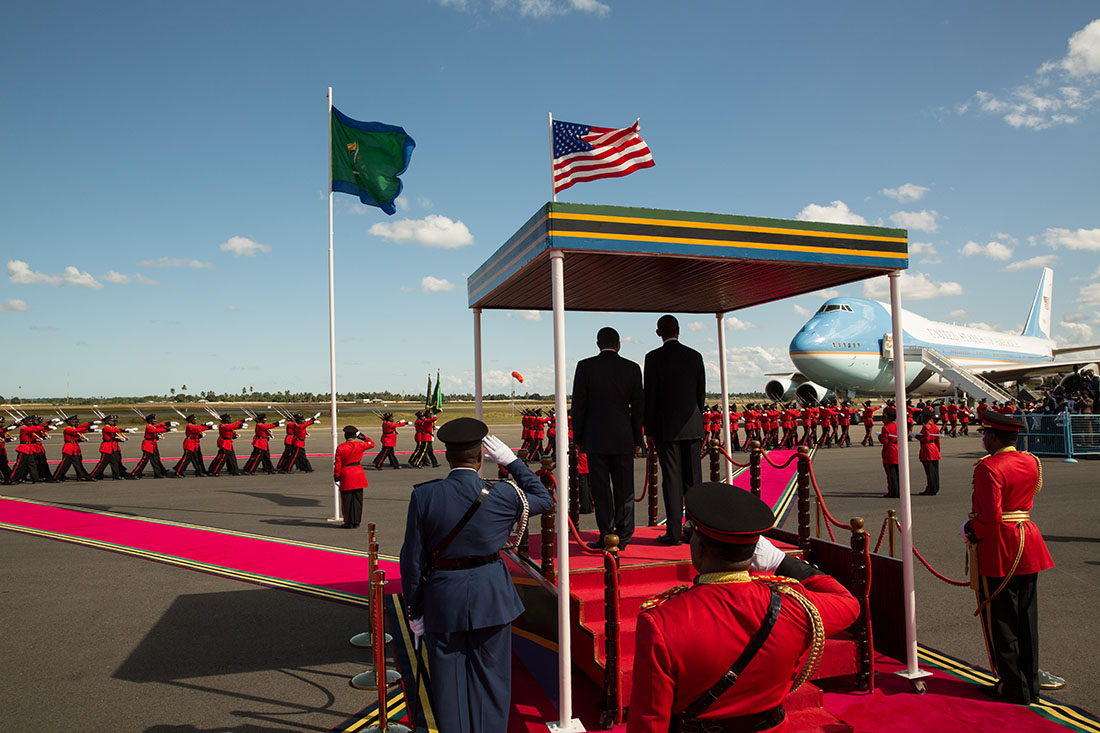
(174, 424)
(173, 430)
(767, 556)
(416, 626)
(497, 451)
(317, 416)
(209, 424)
(131, 430)
(56, 420)
(97, 422)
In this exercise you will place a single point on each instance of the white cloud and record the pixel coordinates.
(736, 324)
(243, 247)
(836, 213)
(530, 315)
(20, 272)
(923, 221)
(992, 250)
(175, 262)
(538, 8)
(1032, 263)
(1078, 331)
(431, 231)
(1059, 93)
(1086, 239)
(139, 278)
(696, 326)
(429, 284)
(1090, 295)
(922, 248)
(14, 305)
(913, 287)
(826, 294)
(116, 278)
(906, 192)
(801, 311)
(959, 314)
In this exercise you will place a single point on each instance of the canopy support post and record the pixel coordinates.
(723, 377)
(477, 363)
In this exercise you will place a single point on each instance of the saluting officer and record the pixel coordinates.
(347, 472)
(701, 662)
(1009, 553)
(460, 597)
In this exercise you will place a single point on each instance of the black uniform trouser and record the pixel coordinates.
(75, 462)
(845, 438)
(5, 469)
(868, 439)
(386, 452)
(301, 461)
(680, 470)
(584, 491)
(611, 480)
(289, 457)
(26, 465)
(114, 460)
(351, 504)
(417, 458)
(259, 455)
(1010, 624)
(227, 459)
(190, 458)
(151, 459)
(932, 474)
(892, 479)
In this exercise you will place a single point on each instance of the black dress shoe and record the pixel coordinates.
(997, 692)
(668, 540)
(594, 545)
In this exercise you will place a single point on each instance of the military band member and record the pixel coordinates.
(428, 435)
(5, 469)
(347, 472)
(227, 457)
(1009, 552)
(692, 641)
(150, 450)
(110, 451)
(71, 455)
(29, 455)
(389, 441)
(929, 438)
(192, 448)
(260, 452)
(888, 437)
(460, 597)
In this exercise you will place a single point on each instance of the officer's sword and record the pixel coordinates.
(412, 704)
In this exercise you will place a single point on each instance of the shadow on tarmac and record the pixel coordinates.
(279, 499)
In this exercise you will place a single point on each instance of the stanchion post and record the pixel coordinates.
(651, 469)
(817, 517)
(612, 681)
(756, 454)
(715, 469)
(365, 640)
(892, 520)
(574, 486)
(859, 589)
(804, 501)
(549, 518)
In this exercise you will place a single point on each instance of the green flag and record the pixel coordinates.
(437, 396)
(428, 394)
(367, 158)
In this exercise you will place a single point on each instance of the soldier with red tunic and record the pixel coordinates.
(260, 451)
(71, 455)
(192, 448)
(29, 454)
(1009, 553)
(227, 457)
(929, 438)
(110, 451)
(888, 437)
(389, 441)
(150, 450)
(694, 664)
(301, 460)
(347, 472)
(867, 415)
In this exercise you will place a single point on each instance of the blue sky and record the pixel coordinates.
(163, 196)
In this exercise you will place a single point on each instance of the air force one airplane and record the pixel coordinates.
(847, 347)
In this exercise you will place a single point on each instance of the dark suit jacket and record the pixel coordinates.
(607, 404)
(462, 600)
(675, 385)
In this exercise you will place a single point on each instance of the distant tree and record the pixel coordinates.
(183, 388)
(173, 391)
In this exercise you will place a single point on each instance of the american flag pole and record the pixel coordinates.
(553, 191)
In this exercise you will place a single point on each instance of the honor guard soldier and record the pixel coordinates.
(71, 455)
(192, 448)
(150, 450)
(929, 438)
(290, 452)
(5, 469)
(301, 460)
(722, 654)
(460, 597)
(110, 451)
(389, 441)
(27, 454)
(347, 472)
(227, 457)
(1008, 553)
(260, 452)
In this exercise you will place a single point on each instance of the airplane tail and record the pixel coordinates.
(1038, 321)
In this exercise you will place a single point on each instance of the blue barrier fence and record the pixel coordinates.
(1063, 434)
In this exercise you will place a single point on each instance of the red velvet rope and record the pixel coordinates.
(645, 484)
(944, 578)
(821, 502)
(730, 458)
(882, 532)
(572, 527)
(784, 465)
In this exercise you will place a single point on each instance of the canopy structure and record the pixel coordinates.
(582, 257)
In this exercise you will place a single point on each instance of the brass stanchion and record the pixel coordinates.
(365, 640)
(379, 678)
(891, 519)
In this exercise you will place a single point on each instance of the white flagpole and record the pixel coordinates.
(553, 193)
(336, 515)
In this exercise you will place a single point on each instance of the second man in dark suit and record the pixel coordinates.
(675, 385)
(607, 425)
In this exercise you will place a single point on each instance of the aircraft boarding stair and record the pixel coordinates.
(972, 384)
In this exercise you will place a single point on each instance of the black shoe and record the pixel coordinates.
(996, 691)
(668, 540)
(594, 545)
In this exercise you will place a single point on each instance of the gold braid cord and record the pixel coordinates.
(818, 625)
(1039, 465)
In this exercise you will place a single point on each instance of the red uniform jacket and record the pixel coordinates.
(929, 438)
(1007, 481)
(226, 433)
(73, 437)
(688, 642)
(346, 467)
(869, 416)
(889, 439)
(428, 428)
(30, 437)
(192, 434)
(112, 436)
(301, 433)
(153, 431)
(263, 433)
(389, 433)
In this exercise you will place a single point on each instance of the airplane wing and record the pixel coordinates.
(1013, 372)
(1075, 349)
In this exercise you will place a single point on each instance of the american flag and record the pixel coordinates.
(585, 153)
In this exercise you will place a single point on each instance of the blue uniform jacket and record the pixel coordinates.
(463, 600)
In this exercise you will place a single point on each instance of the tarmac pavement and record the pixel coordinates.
(96, 641)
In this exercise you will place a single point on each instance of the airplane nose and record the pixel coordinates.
(806, 340)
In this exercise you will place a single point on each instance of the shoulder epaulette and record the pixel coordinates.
(425, 483)
(663, 596)
(776, 579)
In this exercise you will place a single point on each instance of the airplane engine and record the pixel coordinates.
(780, 390)
(811, 394)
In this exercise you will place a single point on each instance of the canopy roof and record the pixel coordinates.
(628, 259)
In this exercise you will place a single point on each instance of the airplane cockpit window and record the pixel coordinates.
(830, 307)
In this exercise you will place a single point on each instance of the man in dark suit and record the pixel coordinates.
(460, 597)
(607, 426)
(675, 385)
